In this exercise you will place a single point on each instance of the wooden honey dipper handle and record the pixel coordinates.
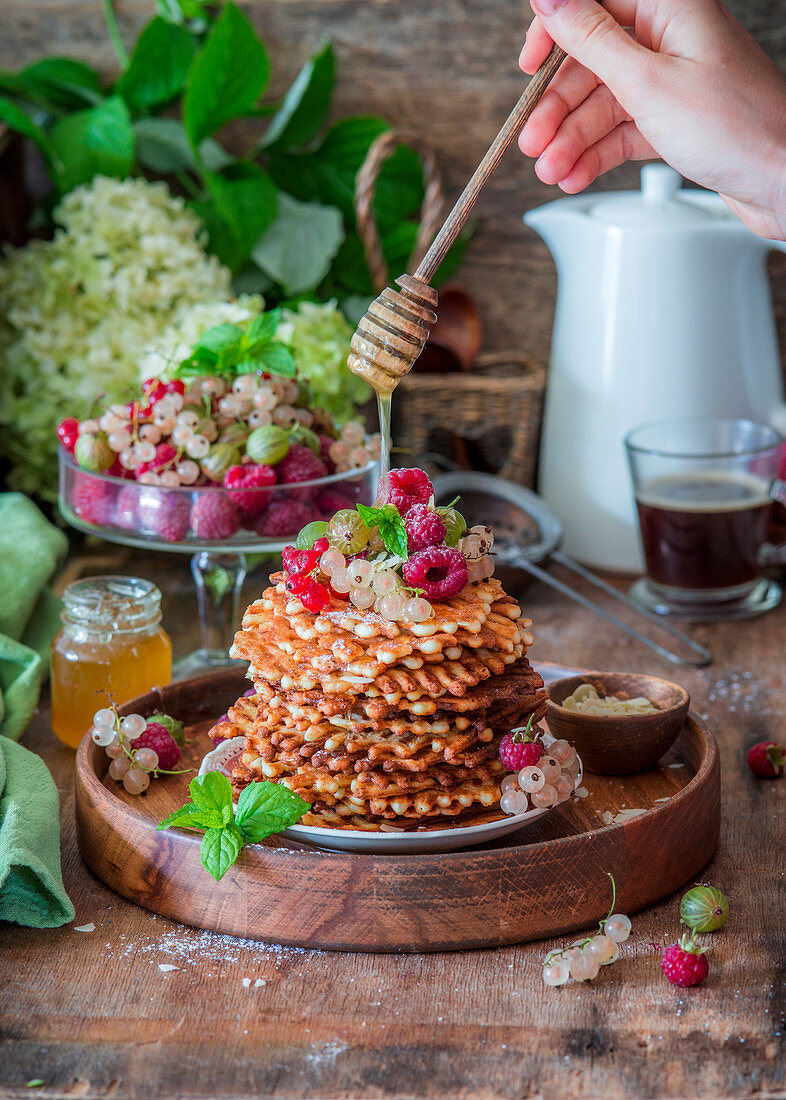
(513, 126)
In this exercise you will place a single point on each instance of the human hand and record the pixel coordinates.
(688, 84)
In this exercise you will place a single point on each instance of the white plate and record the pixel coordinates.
(395, 841)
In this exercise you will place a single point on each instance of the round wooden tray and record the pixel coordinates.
(547, 879)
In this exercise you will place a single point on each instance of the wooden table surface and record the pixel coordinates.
(92, 1014)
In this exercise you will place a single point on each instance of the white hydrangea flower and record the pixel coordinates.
(126, 276)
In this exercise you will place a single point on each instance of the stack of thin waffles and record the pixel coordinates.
(381, 724)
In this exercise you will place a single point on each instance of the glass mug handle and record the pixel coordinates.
(770, 554)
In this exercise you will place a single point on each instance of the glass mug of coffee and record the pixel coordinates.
(704, 491)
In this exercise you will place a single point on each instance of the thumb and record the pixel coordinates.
(591, 35)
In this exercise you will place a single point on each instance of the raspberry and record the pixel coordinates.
(334, 499)
(438, 570)
(214, 516)
(284, 517)
(424, 528)
(516, 755)
(165, 514)
(126, 508)
(166, 455)
(403, 488)
(300, 464)
(684, 964)
(157, 737)
(93, 499)
(767, 759)
(245, 484)
(325, 443)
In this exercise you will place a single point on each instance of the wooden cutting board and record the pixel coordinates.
(544, 880)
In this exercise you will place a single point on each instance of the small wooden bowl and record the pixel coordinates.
(619, 744)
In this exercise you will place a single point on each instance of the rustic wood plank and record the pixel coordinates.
(92, 1014)
(458, 58)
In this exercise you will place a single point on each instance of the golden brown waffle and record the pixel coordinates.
(373, 721)
(363, 644)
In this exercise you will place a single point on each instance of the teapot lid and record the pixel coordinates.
(661, 203)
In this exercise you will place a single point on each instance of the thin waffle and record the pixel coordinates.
(373, 721)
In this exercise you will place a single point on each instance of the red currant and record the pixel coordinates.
(176, 386)
(298, 583)
(315, 598)
(68, 432)
(154, 389)
(321, 545)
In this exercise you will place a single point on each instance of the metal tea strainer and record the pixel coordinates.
(527, 536)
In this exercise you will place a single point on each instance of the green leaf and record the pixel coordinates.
(158, 67)
(399, 191)
(192, 817)
(22, 123)
(222, 242)
(63, 82)
(213, 791)
(264, 808)
(220, 337)
(263, 328)
(250, 280)
(245, 197)
(298, 248)
(162, 145)
(227, 77)
(391, 527)
(277, 359)
(95, 142)
(305, 104)
(220, 848)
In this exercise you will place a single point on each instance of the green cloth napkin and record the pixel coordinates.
(31, 549)
(31, 885)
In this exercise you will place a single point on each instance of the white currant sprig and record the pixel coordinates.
(584, 958)
(134, 767)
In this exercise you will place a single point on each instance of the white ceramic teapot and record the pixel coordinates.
(663, 309)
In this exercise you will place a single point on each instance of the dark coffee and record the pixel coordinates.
(703, 531)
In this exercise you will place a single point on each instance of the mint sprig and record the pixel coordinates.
(390, 525)
(263, 808)
(231, 349)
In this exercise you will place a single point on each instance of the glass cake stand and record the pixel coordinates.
(208, 524)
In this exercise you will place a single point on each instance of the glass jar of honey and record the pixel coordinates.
(111, 642)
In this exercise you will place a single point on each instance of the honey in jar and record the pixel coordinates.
(111, 642)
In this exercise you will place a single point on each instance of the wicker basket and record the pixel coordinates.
(488, 417)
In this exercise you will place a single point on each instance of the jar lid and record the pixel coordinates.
(661, 203)
(112, 603)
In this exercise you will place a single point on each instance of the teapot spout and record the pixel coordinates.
(562, 224)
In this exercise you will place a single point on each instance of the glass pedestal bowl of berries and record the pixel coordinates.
(216, 467)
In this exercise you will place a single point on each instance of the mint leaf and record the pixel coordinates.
(162, 145)
(213, 791)
(192, 817)
(220, 337)
(158, 67)
(298, 248)
(246, 199)
(391, 527)
(220, 849)
(276, 358)
(264, 808)
(95, 142)
(305, 104)
(263, 328)
(227, 77)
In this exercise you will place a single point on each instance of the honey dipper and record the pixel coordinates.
(394, 329)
